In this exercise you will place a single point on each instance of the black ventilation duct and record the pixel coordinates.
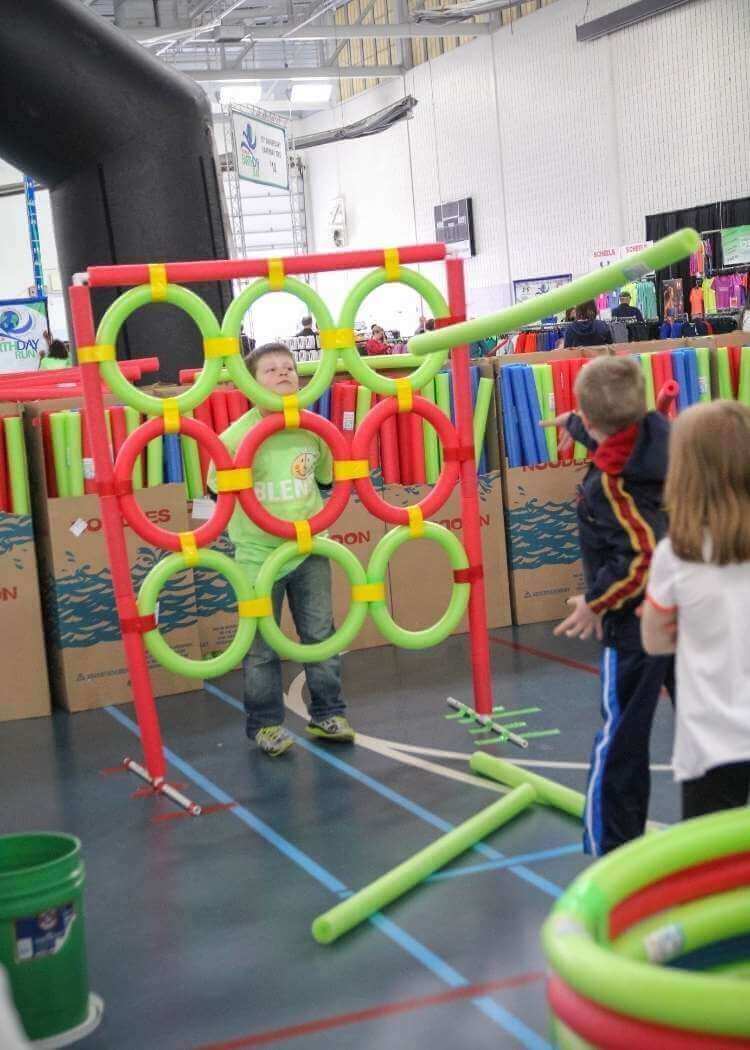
(125, 146)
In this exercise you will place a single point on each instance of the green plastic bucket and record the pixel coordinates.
(42, 943)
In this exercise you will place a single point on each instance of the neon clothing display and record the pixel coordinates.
(723, 285)
(696, 301)
(713, 666)
(709, 296)
(286, 470)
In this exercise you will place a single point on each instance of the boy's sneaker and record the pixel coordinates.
(334, 728)
(273, 740)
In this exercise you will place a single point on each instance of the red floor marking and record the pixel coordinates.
(575, 664)
(206, 811)
(112, 771)
(373, 1013)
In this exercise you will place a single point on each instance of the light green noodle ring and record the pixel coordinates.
(576, 938)
(349, 629)
(450, 619)
(160, 649)
(115, 318)
(661, 254)
(357, 366)
(238, 370)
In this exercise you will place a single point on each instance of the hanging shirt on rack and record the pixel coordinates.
(709, 298)
(646, 298)
(723, 286)
(696, 301)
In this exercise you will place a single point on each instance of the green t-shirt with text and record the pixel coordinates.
(286, 471)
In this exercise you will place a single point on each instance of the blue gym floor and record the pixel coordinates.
(199, 929)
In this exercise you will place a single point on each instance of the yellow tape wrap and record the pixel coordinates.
(349, 469)
(392, 264)
(88, 355)
(234, 480)
(291, 411)
(276, 274)
(255, 608)
(171, 415)
(223, 346)
(157, 277)
(368, 592)
(304, 536)
(189, 548)
(336, 338)
(404, 395)
(416, 522)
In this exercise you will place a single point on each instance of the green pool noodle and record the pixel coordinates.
(364, 399)
(743, 394)
(481, 413)
(648, 381)
(132, 422)
(545, 393)
(724, 373)
(18, 470)
(59, 433)
(547, 791)
(663, 253)
(704, 372)
(191, 466)
(379, 362)
(389, 887)
(74, 453)
(155, 462)
(431, 440)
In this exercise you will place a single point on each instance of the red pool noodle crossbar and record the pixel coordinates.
(125, 599)
(234, 269)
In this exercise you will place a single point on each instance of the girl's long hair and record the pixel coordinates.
(707, 493)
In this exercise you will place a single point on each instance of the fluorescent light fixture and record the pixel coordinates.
(247, 93)
(311, 92)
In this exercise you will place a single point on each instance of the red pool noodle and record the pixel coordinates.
(734, 354)
(119, 428)
(348, 409)
(237, 404)
(667, 396)
(389, 451)
(89, 484)
(563, 392)
(219, 410)
(405, 456)
(662, 369)
(416, 434)
(5, 503)
(49, 455)
(127, 608)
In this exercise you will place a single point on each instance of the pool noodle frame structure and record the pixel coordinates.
(97, 361)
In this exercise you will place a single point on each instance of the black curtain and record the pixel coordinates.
(716, 216)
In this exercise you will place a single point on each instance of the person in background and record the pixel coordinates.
(377, 344)
(587, 329)
(698, 603)
(421, 326)
(246, 343)
(744, 324)
(626, 310)
(307, 326)
(56, 357)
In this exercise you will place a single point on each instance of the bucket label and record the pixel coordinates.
(45, 933)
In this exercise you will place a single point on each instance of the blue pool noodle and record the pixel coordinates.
(510, 419)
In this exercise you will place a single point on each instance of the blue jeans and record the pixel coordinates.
(308, 590)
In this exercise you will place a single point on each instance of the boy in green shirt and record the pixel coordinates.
(287, 469)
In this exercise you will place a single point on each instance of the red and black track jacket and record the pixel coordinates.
(621, 518)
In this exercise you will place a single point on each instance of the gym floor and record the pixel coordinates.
(199, 929)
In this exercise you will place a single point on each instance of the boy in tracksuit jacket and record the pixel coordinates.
(620, 519)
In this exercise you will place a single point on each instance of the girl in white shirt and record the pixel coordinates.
(698, 603)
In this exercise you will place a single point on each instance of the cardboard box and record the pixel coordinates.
(421, 579)
(22, 652)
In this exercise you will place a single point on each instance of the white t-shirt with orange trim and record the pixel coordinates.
(713, 658)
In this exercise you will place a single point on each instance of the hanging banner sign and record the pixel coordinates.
(632, 249)
(260, 150)
(529, 287)
(22, 326)
(735, 245)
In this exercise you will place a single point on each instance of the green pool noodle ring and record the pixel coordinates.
(116, 316)
(341, 638)
(576, 934)
(481, 414)
(358, 366)
(376, 573)
(132, 422)
(162, 651)
(18, 470)
(724, 374)
(59, 434)
(380, 362)
(431, 440)
(73, 441)
(547, 791)
(663, 253)
(443, 401)
(237, 370)
(648, 381)
(394, 884)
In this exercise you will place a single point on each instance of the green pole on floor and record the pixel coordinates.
(547, 791)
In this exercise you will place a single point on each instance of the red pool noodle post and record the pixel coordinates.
(235, 269)
(89, 484)
(114, 533)
(667, 397)
(5, 503)
(472, 529)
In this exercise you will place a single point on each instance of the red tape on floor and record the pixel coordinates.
(373, 1013)
(544, 655)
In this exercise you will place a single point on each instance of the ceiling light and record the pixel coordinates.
(311, 92)
(239, 93)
